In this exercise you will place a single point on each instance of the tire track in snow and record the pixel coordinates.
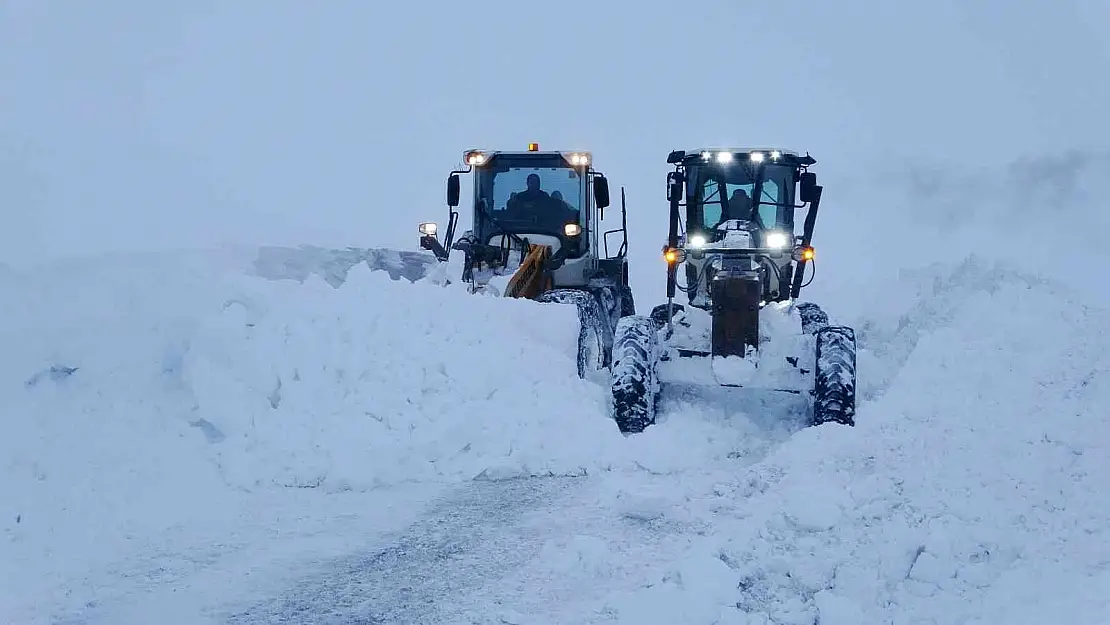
(493, 550)
(468, 538)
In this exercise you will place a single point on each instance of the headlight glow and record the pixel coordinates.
(572, 230)
(777, 240)
(475, 158)
(724, 157)
(697, 241)
(428, 229)
(579, 159)
(757, 157)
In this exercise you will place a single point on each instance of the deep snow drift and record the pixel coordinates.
(971, 490)
(153, 402)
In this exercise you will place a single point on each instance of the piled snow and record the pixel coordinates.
(298, 263)
(305, 384)
(971, 490)
(143, 398)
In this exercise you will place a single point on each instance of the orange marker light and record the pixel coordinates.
(533, 147)
(807, 253)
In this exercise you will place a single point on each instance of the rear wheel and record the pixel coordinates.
(635, 351)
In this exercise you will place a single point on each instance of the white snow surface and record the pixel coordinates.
(150, 403)
(172, 478)
(971, 491)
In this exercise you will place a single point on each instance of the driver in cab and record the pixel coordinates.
(532, 195)
(537, 206)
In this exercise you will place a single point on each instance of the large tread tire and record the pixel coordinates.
(592, 352)
(834, 381)
(635, 386)
(813, 318)
(628, 304)
(659, 313)
(608, 300)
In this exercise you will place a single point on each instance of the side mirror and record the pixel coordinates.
(807, 189)
(601, 192)
(674, 187)
(453, 191)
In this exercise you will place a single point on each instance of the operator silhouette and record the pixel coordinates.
(532, 194)
(739, 206)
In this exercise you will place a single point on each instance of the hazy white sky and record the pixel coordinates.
(129, 124)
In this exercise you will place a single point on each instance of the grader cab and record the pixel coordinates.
(536, 229)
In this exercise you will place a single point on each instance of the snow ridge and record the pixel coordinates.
(969, 492)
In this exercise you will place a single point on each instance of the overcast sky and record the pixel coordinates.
(128, 124)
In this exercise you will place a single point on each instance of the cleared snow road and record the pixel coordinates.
(489, 553)
(467, 538)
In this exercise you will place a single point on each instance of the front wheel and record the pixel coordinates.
(634, 382)
(834, 381)
(591, 333)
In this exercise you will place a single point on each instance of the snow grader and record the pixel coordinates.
(536, 231)
(744, 326)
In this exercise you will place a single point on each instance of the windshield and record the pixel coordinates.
(717, 193)
(530, 194)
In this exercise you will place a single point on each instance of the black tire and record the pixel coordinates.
(635, 352)
(659, 313)
(813, 318)
(592, 353)
(834, 381)
(608, 301)
(628, 304)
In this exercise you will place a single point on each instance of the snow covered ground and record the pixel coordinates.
(971, 491)
(162, 413)
(186, 441)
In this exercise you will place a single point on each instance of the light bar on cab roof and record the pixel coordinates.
(725, 156)
(475, 157)
(579, 159)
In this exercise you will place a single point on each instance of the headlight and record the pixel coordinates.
(777, 240)
(579, 159)
(697, 241)
(724, 157)
(475, 157)
(572, 230)
(428, 229)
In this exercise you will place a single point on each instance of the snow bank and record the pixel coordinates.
(971, 490)
(300, 384)
(140, 396)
